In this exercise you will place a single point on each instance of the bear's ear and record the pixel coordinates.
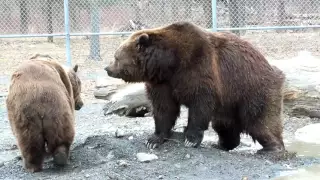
(75, 68)
(143, 40)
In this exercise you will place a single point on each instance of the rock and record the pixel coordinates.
(110, 155)
(13, 147)
(309, 134)
(187, 156)
(3, 95)
(104, 93)
(130, 138)
(302, 84)
(122, 163)
(96, 146)
(87, 175)
(119, 133)
(102, 82)
(146, 157)
(299, 111)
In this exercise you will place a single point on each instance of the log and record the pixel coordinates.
(301, 92)
(129, 101)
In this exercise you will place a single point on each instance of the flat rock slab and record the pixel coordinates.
(309, 134)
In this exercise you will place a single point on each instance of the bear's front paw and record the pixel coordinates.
(32, 167)
(193, 138)
(156, 140)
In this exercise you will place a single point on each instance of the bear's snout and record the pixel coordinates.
(78, 105)
(107, 69)
(110, 71)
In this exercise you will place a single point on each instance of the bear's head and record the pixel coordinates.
(64, 71)
(154, 55)
(76, 87)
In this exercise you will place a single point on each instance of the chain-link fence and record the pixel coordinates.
(280, 28)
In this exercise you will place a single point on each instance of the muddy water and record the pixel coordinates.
(306, 141)
(309, 173)
(304, 148)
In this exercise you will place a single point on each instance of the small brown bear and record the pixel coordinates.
(219, 77)
(41, 102)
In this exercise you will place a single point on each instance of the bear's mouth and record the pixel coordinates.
(123, 74)
(111, 72)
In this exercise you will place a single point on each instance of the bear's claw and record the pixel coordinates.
(151, 145)
(187, 143)
(154, 141)
(193, 138)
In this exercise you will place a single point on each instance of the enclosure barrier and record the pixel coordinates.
(25, 18)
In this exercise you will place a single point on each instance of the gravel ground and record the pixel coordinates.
(98, 154)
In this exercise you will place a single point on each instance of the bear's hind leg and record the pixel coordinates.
(269, 140)
(267, 130)
(32, 148)
(59, 138)
(165, 114)
(229, 135)
(61, 155)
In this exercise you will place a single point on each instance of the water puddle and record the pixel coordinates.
(307, 141)
(8, 155)
(309, 173)
(304, 148)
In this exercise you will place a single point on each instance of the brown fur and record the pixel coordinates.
(41, 102)
(221, 79)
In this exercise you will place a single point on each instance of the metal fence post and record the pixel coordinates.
(214, 15)
(67, 31)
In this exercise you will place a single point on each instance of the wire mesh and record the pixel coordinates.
(47, 16)
(92, 52)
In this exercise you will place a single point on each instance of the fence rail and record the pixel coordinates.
(94, 18)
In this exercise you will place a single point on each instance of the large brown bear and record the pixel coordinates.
(220, 78)
(41, 102)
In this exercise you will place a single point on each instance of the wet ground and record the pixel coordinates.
(98, 154)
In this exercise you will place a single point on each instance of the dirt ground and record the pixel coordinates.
(98, 154)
